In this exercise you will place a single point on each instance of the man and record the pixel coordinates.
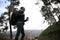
(20, 23)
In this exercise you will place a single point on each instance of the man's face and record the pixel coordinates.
(23, 9)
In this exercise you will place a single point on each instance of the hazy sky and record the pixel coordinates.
(32, 11)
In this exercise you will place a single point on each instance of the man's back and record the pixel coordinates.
(13, 18)
(17, 16)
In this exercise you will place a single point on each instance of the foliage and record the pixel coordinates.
(1, 20)
(10, 9)
(49, 12)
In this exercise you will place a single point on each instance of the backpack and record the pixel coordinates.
(13, 20)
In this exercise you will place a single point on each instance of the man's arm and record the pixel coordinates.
(26, 19)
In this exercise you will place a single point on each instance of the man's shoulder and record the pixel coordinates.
(16, 12)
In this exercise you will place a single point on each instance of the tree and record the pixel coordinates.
(10, 9)
(49, 12)
(1, 20)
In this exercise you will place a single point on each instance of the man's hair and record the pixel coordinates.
(22, 8)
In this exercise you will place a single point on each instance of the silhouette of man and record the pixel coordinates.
(20, 23)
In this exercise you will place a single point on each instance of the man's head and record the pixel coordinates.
(22, 9)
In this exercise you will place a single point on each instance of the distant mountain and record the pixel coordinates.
(33, 32)
(27, 32)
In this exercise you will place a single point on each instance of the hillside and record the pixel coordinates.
(51, 33)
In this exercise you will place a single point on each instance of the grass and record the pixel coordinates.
(4, 37)
(51, 33)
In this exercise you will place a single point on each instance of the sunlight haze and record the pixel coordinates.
(35, 17)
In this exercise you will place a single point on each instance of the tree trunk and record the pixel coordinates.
(10, 27)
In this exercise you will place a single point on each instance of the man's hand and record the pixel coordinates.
(27, 18)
